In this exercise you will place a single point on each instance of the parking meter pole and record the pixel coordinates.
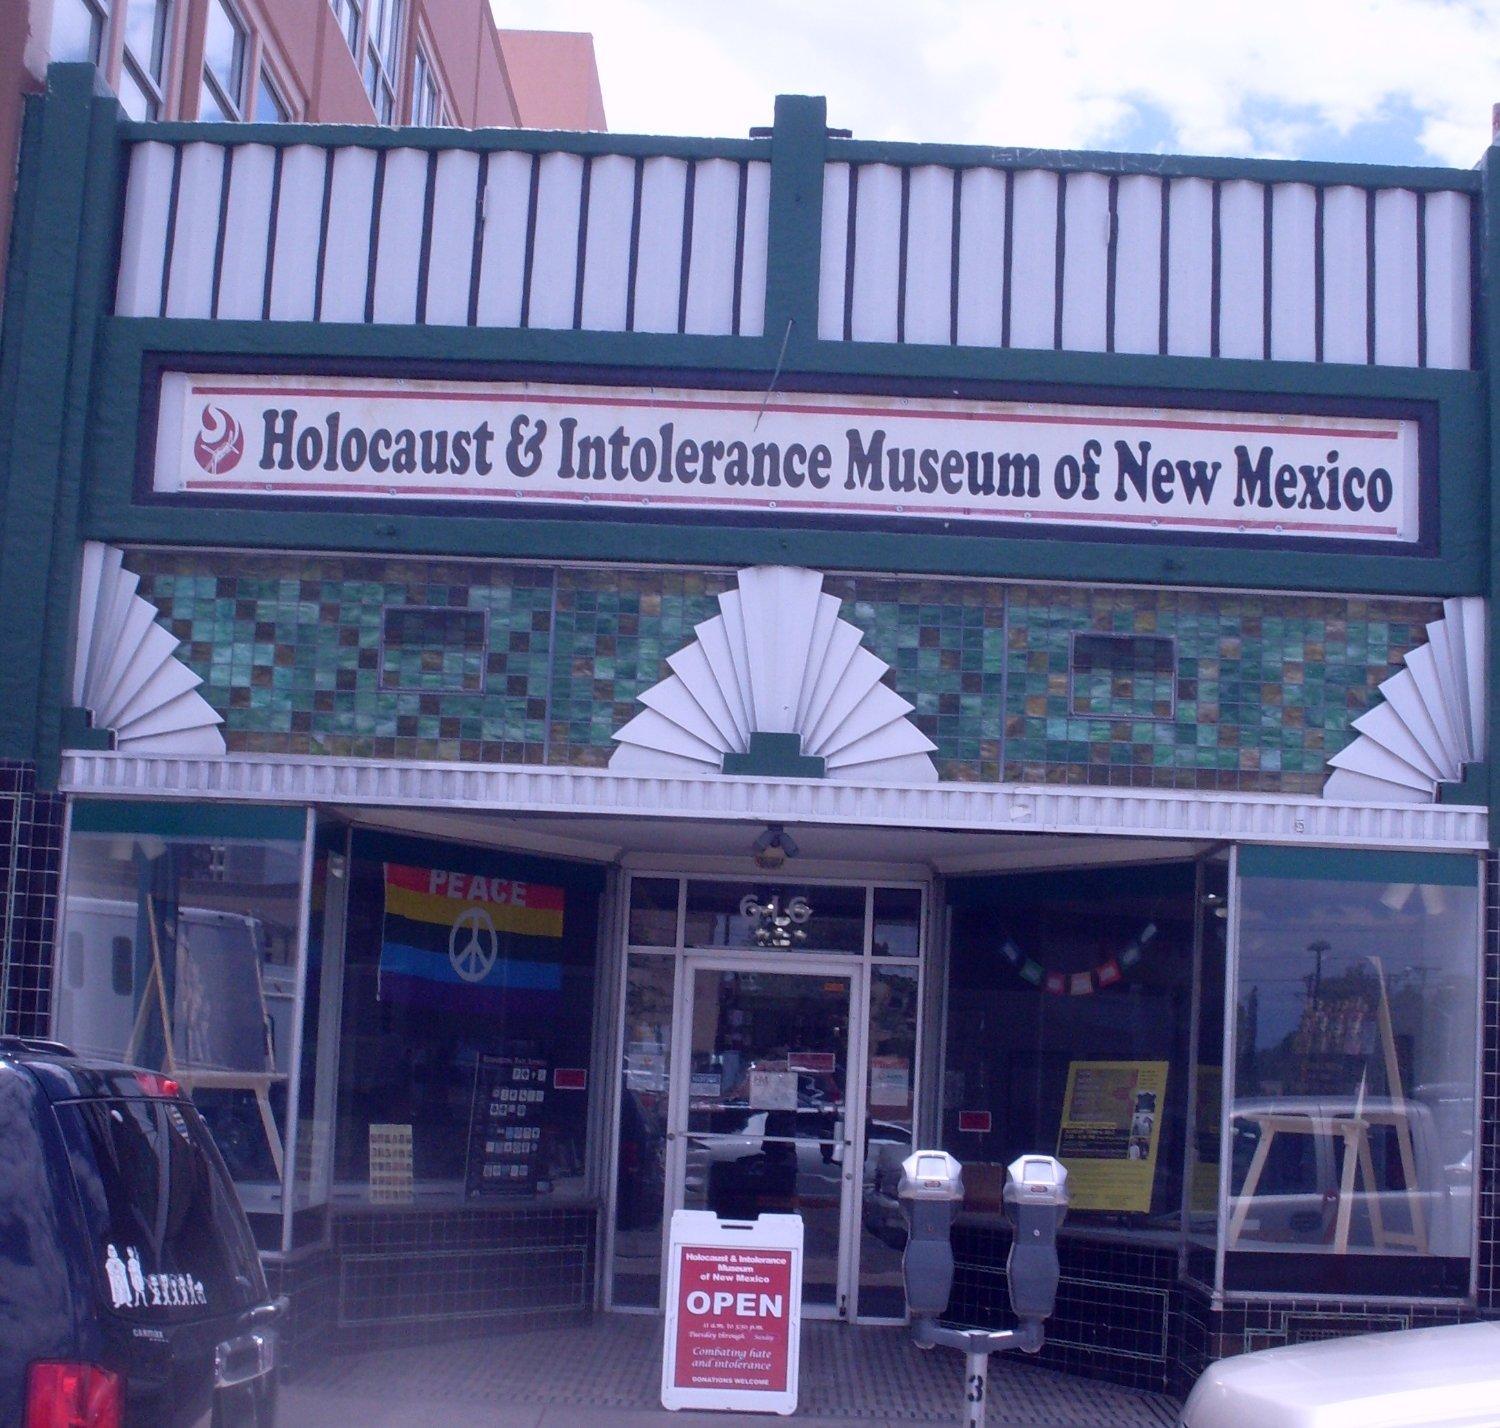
(1036, 1202)
(976, 1380)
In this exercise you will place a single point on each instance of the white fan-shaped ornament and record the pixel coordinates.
(125, 670)
(777, 659)
(1430, 723)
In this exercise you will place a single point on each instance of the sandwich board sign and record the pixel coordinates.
(734, 1313)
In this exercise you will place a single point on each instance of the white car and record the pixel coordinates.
(1448, 1377)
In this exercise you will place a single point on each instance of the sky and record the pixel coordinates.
(1368, 81)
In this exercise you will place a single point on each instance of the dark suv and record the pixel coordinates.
(131, 1294)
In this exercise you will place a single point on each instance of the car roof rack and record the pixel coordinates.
(35, 1043)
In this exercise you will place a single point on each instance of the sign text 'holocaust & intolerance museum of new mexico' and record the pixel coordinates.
(1203, 472)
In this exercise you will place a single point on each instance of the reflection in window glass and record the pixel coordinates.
(1208, 1087)
(1352, 1119)
(653, 912)
(270, 107)
(382, 51)
(468, 1003)
(775, 917)
(898, 922)
(78, 30)
(224, 45)
(1069, 1009)
(186, 962)
(891, 1103)
(426, 98)
(642, 1160)
(143, 71)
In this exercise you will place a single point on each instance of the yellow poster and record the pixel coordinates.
(1111, 1126)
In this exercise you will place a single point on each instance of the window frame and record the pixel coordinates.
(239, 108)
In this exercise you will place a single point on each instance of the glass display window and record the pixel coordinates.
(180, 949)
(1351, 1123)
(466, 1024)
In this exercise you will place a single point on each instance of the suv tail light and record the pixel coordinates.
(65, 1395)
(156, 1085)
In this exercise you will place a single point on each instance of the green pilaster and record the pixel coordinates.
(795, 225)
(60, 272)
(1488, 355)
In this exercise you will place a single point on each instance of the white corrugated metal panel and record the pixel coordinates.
(1258, 818)
(1138, 264)
(658, 244)
(1085, 283)
(1181, 265)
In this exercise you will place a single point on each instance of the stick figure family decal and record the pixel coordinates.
(130, 1287)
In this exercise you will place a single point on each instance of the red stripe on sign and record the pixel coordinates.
(570, 1078)
(977, 1121)
(474, 887)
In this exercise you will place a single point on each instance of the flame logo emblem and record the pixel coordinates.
(221, 443)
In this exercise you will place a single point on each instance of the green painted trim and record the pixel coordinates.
(1422, 179)
(774, 756)
(77, 731)
(23, 218)
(190, 820)
(68, 255)
(479, 141)
(794, 239)
(1472, 791)
(112, 513)
(1454, 870)
(1487, 275)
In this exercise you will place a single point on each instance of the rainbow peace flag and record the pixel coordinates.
(470, 943)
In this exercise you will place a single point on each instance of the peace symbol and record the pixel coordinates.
(473, 955)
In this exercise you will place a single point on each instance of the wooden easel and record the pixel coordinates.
(258, 1083)
(1354, 1131)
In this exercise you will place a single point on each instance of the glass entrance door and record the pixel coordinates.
(761, 1118)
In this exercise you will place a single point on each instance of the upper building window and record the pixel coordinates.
(270, 107)
(350, 15)
(382, 49)
(144, 64)
(78, 28)
(427, 104)
(225, 73)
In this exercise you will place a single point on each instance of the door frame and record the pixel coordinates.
(926, 1044)
(847, 966)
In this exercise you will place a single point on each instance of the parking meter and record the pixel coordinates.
(1036, 1203)
(931, 1191)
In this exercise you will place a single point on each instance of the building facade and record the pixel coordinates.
(701, 664)
(426, 62)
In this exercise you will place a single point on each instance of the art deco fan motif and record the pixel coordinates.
(125, 671)
(1432, 720)
(776, 661)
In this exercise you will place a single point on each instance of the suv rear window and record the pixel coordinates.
(170, 1240)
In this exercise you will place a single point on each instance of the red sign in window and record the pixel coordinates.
(734, 1313)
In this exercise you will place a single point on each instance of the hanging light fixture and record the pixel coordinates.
(773, 848)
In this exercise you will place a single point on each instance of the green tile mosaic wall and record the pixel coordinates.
(1267, 686)
(1251, 693)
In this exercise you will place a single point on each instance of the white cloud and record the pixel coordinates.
(1214, 76)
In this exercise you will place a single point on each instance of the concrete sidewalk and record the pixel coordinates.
(607, 1371)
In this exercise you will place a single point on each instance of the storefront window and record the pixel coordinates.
(467, 1016)
(1352, 1117)
(179, 951)
(1069, 1016)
